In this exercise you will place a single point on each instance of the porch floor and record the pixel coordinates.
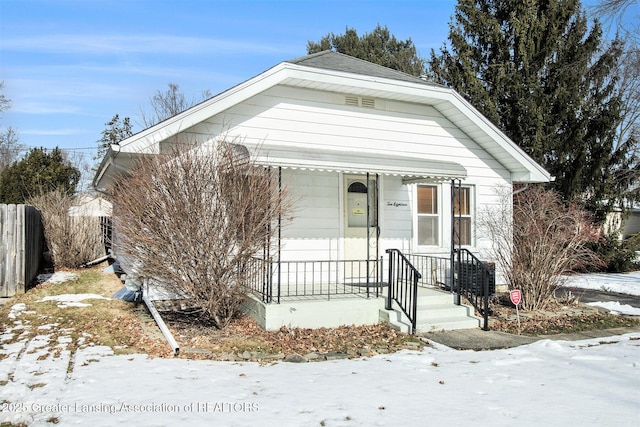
(331, 291)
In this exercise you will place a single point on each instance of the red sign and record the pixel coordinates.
(515, 296)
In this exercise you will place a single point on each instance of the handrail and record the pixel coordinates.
(475, 281)
(403, 286)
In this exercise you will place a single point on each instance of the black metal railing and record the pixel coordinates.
(435, 271)
(273, 280)
(475, 280)
(403, 285)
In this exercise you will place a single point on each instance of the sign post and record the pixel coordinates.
(516, 297)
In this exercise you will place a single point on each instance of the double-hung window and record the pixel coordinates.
(462, 211)
(428, 216)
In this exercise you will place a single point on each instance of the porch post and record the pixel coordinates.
(377, 230)
(455, 255)
(279, 229)
(368, 232)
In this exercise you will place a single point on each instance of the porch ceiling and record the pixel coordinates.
(412, 169)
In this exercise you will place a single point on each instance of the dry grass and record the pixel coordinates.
(560, 317)
(108, 322)
(128, 328)
(245, 335)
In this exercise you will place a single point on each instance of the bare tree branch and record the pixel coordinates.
(539, 241)
(195, 218)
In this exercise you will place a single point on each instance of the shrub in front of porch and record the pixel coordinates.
(537, 240)
(194, 218)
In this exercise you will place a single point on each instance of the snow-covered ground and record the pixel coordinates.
(556, 383)
(620, 283)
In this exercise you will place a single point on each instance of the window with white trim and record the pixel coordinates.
(463, 216)
(428, 215)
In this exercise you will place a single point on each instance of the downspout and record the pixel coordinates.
(163, 327)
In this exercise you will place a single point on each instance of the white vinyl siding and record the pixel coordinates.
(312, 228)
(298, 118)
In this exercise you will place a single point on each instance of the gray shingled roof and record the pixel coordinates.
(331, 60)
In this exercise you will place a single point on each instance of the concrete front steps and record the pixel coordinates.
(436, 312)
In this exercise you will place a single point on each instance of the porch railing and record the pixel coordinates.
(475, 280)
(435, 271)
(462, 273)
(403, 286)
(273, 280)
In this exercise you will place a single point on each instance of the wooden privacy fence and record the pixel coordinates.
(21, 247)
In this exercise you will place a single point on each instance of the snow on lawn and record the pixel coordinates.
(72, 300)
(621, 283)
(57, 277)
(615, 307)
(592, 382)
(589, 383)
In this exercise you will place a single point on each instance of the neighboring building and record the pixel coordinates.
(631, 223)
(377, 160)
(90, 205)
(625, 224)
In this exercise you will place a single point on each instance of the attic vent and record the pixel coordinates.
(355, 101)
(368, 103)
(352, 101)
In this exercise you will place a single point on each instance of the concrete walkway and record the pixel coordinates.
(477, 339)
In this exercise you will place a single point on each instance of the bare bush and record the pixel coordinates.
(72, 240)
(539, 242)
(194, 219)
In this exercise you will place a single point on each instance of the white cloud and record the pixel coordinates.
(44, 108)
(51, 132)
(121, 44)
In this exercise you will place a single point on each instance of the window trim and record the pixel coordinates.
(471, 215)
(437, 216)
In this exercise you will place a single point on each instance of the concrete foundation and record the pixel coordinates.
(327, 313)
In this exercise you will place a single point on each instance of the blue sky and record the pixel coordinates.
(69, 65)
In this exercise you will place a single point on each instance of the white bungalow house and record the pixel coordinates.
(389, 172)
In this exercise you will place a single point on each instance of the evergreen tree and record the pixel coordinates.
(379, 47)
(540, 73)
(38, 173)
(115, 132)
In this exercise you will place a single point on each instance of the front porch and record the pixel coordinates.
(424, 294)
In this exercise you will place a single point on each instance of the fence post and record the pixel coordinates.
(3, 250)
(10, 265)
(20, 249)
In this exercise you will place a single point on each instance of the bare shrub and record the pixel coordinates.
(194, 219)
(539, 242)
(72, 240)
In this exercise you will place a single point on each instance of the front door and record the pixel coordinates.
(360, 224)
